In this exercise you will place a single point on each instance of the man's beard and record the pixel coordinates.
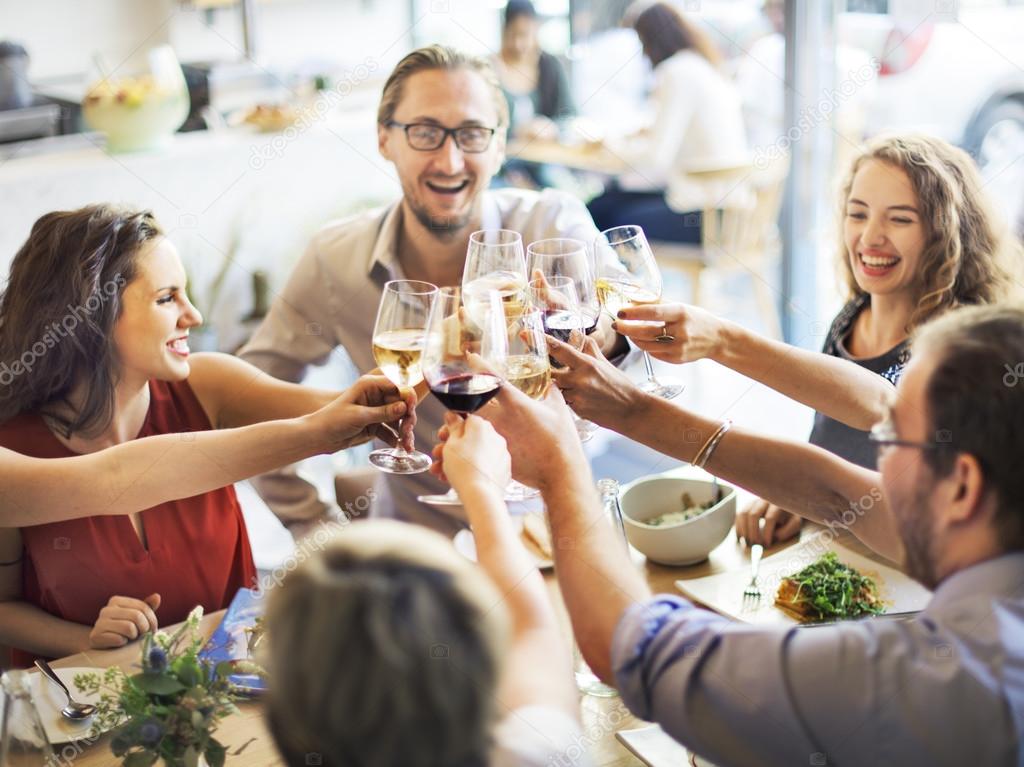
(444, 228)
(917, 533)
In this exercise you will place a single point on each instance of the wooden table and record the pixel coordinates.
(250, 744)
(587, 157)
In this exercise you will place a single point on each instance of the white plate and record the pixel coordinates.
(465, 544)
(49, 700)
(723, 592)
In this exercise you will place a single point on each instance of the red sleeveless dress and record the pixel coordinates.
(198, 549)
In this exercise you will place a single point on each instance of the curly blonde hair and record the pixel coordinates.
(970, 257)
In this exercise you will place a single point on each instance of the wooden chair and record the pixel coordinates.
(738, 240)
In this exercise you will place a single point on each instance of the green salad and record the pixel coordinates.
(828, 589)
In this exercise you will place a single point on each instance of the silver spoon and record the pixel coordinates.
(73, 710)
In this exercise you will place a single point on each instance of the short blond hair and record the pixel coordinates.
(438, 57)
(384, 649)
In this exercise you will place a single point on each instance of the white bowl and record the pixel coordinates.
(682, 543)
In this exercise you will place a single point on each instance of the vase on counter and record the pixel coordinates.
(139, 108)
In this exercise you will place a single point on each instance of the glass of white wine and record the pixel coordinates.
(628, 275)
(398, 339)
(495, 261)
(527, 368)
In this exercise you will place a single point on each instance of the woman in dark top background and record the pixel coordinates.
(918, 238)
(533, 80)
(537, 91)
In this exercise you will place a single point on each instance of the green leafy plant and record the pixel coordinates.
(828, 589)
(171, 708)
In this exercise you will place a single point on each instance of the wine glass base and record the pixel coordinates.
(392, 461)
(665, 389)
(451, 498)
(586, 430)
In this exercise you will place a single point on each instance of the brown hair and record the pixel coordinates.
(58, 311)
(384, 649)
(437, 57)
(975, 402)
(664, 32)
(967, 253)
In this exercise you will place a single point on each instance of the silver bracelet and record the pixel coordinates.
(704, 454)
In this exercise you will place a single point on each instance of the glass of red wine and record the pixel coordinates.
(563, 257)
(464, 356)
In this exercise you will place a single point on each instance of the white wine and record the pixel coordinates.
(398, 353)
(619, 294)
(509, 285)
(530, 374)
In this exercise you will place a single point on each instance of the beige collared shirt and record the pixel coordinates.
(331, 300)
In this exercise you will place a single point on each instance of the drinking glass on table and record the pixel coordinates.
(397, 348)
(628, 275)
(495, 261)
(563, 257)
(464, 357)
(564, 319)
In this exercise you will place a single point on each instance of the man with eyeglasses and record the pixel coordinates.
(441, 122)
(945, 688)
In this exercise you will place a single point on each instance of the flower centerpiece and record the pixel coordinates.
(171, 708)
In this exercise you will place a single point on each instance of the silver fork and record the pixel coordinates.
(752, 594)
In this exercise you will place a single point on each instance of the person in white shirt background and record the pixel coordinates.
(696, 124)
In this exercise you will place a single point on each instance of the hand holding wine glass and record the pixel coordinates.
(628, 276)
(464, 357)
(398, 337)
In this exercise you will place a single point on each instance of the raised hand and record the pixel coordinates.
(673, 332)
(591, 385)
(365, 410)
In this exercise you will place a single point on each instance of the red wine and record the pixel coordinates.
(466, 393)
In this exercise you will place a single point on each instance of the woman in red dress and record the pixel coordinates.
(95, 320)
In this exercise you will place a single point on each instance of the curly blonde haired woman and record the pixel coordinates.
(918, 238)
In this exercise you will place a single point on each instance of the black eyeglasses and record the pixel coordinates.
(883, 434)
(426, 137)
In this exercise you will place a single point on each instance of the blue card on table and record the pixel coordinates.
(232, 639)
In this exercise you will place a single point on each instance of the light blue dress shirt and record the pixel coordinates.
(946, 688)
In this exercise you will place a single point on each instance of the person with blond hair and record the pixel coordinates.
(918, 238)
(441, 122)
(390, 649)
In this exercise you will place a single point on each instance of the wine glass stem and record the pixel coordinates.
(650, 368)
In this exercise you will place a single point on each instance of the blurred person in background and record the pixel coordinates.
(389, 630)
(537, 91)
(696, 124)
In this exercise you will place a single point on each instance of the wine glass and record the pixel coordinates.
(565, 257)
(398, 337)
(464, 357)
(563, 318)
(527, 369)
(628, 275)
(495, 261)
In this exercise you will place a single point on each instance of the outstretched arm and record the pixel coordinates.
(838, 388)
(143, 473)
